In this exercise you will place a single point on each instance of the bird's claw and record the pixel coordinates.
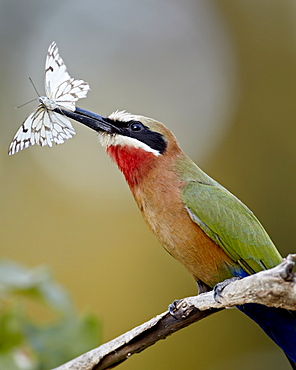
(218, 288)
(180, 309)
(173, 307)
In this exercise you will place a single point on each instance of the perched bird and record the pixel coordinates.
(200, 223)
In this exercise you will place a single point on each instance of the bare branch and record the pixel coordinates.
(275, 287)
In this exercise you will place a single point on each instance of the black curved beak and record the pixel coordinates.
(90, 119)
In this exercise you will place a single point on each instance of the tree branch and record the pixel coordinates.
(275, 287)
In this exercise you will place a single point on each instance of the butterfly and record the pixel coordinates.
(45, 126)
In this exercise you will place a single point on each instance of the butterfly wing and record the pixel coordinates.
(55, 70)
(59, 86)
(51, 127)
(62, 129)
(45, 126)
(24, 138)
(42, 127)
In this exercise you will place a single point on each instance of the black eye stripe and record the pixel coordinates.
(139, 131)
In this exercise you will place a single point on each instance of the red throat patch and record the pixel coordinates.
(133, 162)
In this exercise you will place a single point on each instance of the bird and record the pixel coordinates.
(197, 220)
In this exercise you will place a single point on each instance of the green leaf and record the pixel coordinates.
(25, 344)
(60, 342)
(36, 282)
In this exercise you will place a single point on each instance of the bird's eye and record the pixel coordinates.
(136, 126)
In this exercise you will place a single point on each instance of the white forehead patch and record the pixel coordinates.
(124, 116)
(107, 140)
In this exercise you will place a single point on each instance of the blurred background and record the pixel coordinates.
(221, 75)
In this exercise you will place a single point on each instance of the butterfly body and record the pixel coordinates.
(48, 103)
(44, 126)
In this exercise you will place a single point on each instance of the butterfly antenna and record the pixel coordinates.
(34, 86)
(32, 99)
(25, 103)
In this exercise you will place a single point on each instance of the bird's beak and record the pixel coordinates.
(90, 119)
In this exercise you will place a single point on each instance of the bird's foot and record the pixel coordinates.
(180, 309)
(218, 288)
(173, 307)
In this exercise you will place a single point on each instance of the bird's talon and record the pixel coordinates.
(218, 288)
(173, 307)
(180, 309)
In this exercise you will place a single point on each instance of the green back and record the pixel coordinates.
(227, 221)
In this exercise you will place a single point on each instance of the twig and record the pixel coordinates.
(275, 287)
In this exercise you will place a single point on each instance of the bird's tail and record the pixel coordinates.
(279, 324)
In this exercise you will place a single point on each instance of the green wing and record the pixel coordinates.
(227, 221)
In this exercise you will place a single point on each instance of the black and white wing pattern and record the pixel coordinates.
(59, 86)
(45, 126)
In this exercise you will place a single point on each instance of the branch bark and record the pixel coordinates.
(275, 287)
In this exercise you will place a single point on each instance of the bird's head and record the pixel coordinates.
(134, 142)
(133, 132)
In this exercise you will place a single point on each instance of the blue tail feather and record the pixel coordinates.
(279, 324)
